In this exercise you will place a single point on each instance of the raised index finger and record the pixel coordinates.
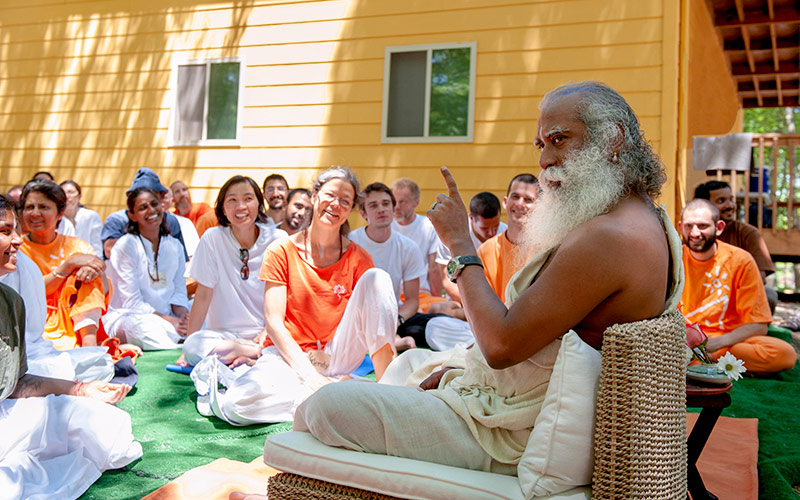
(452, 187)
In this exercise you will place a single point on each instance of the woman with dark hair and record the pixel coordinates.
(150, 307)
(227, 317)
(74, 277)
(325, 306)
(88, 225)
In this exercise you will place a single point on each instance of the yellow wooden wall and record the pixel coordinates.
(84, 90)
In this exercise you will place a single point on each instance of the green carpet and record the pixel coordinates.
(175, 438)
(773, 401)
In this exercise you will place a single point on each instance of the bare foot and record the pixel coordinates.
(404, 343)
(182, 360)
(237, 495)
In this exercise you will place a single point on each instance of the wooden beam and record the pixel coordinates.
(750, 60)
(740, 70)
(736, 45)
(729, 19)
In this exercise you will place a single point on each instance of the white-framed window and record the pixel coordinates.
(207, 107)
(429, 93)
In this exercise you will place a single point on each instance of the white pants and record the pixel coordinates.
(148, 331)
(444, 332)
(57, 446)
(271, 390)
(390, 420)
(200, 344)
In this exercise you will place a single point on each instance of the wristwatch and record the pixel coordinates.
(457, 264)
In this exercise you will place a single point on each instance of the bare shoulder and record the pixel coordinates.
(631, 228)
(625, 256)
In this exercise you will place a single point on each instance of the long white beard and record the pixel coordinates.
(588, 185)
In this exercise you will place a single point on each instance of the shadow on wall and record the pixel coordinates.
(86, 90)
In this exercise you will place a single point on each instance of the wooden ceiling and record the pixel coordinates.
(761, 40)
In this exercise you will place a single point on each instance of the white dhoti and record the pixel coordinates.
(398, 421)
(148, 331)
(271, 390)
(57, 446)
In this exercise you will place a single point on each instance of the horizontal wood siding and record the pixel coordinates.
(86, 85)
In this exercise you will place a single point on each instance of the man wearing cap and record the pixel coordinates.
(114, 227)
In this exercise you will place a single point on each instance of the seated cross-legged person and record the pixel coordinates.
(227, 316)
(74, 277)
(724, 294)
(326, 306)
(56, 441)
(602, 251)
(150, 307)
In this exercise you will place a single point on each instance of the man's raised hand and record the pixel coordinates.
(449, 218)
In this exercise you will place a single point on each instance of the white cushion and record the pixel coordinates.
(301, 453)
(560, 450)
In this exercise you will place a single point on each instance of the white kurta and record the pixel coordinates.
(82, 363)
(57, 446)
(131, 313)
(236, 311)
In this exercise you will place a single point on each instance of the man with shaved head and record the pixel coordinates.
(724, 294)
(599, 252)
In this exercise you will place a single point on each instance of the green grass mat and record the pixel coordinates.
(774, 402)
(174, 437)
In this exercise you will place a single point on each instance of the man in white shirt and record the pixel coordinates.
(419, 229)
(391, 251)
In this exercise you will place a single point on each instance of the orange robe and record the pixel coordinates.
(61, 306)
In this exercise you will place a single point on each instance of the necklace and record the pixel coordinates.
(155, 259)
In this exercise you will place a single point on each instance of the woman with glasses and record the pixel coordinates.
(325, 306)
(74, 277)
(227, 317)
(149, 308)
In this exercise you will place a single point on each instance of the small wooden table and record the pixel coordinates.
(712, 399)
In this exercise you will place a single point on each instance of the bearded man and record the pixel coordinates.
(602, 253)
(724, 294)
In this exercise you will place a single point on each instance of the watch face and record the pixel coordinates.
(452, 268)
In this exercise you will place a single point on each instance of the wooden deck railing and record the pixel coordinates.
(767, 194)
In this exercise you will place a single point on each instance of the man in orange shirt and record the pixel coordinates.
(724, 294)
(499, 253)
(182, 199)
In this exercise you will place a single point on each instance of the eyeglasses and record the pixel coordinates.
(244, 256)
(272, 189)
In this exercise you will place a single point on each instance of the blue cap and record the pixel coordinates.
(146, 178)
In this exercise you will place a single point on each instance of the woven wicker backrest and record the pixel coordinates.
(640, 435)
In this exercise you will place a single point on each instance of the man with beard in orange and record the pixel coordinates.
(724, 294)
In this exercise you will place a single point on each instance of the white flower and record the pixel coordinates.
(730, 366)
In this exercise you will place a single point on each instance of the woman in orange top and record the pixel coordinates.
(325, 307)
(74, 277)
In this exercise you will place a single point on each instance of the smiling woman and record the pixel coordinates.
(150, 307)
(227, 317)
(74, 277)
(325, 305)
